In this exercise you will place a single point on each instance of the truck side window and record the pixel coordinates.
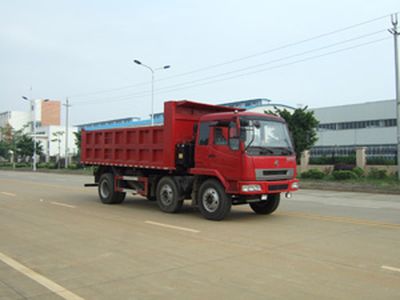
(220, 136)
(204, 133)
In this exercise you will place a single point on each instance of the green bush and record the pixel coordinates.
(359, 172)
(380, 161)
(331, 160)
(5, 164)
(313, 174)
(23, 165)
(344, 175)
(377, 174)
(73, 166)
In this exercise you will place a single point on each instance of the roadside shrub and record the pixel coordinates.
(331, 160)
(73, 166)
(5, 164)
(313, 174)
(380, 161)
(377, 174)
(359, 172)
(344, 175)
(23, 165)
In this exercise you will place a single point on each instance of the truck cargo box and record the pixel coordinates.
(150, 146)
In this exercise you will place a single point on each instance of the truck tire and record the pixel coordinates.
(266, 207)
(107, 193)
(214, 203)
(169, 198)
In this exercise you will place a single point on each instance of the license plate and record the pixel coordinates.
(264, 197)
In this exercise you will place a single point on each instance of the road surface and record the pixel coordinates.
(57, 241)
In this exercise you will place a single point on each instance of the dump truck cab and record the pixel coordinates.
(250, 153)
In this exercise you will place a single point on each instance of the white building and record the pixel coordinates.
(53, 140)
(48, 124)
(17, 119)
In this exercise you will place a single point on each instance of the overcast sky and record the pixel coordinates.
(84, 50)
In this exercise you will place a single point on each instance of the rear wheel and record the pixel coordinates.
(169, 198)
(266, 207)
(107, 193)
(214, 203)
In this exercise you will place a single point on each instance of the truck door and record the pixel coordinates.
(222, 156)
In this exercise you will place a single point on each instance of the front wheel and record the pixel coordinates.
(266, 207)
(214, 203)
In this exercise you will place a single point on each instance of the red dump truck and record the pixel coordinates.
(216, 156)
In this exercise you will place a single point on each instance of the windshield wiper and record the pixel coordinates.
(262, 149)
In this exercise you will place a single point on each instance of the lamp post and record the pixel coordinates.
(33, 106)
(152, 84)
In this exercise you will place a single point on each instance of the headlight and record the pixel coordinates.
(295, 185)
(251, 188)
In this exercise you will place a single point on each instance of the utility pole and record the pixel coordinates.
(395, 32)
(67, 106)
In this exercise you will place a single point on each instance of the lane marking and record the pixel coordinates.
(44, 281)
(391, 268)
(9, 194)
(49, 185)
(337, 219)
(62, 204)
(172, 226)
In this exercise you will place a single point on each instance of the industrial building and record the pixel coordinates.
(343, 128)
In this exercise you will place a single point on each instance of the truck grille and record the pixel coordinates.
(274, 174)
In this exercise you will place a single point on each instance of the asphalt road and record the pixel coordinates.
(57, 241)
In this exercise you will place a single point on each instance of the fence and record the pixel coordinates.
(326, 159)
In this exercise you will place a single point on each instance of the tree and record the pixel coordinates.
(18, 142)
(78, 140)
(57, 138)
(24, 146)
(4, 149)
(302, 125)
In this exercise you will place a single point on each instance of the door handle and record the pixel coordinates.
(211, 156)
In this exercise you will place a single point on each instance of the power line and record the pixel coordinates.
(281, 59)
(145, 92)
(168, 89)
(284, 65)
(237, 59)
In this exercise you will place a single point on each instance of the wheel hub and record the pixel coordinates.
(210, 200)
(166, 194)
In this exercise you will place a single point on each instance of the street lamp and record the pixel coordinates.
(152, 84)
(33, 105)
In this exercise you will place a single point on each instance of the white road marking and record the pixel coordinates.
(391, 268)
(63, 204)
(172, 226)
(9, 194)
(44, 281)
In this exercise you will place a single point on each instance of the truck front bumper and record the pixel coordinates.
(267, 187)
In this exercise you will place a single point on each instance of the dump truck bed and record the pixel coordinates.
(146, 147)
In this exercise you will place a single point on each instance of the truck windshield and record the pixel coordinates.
(265, 137)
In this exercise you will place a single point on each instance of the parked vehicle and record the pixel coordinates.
(216, 156)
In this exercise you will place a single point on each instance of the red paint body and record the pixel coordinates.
(154, 147)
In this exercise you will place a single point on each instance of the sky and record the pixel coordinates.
(219, 51)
